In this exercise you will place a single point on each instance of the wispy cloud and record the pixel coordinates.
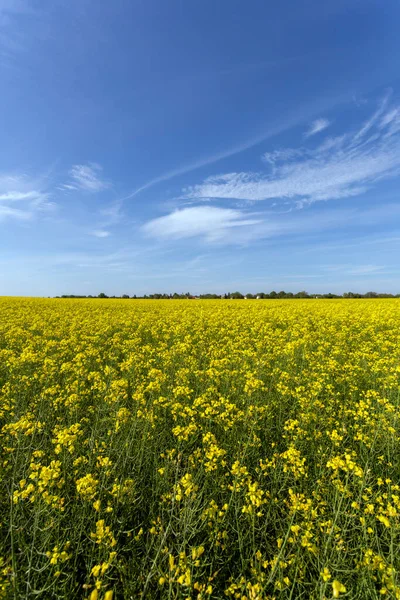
(317, 126)
(228, 226)
(209, 222)
(366, 269)
(209, 160)
(7, 212)
(290, 120)
(14, 196)
(107, 217)
(14, 15)
(17, 188)
(112, 213)
(369, 124)
(100, 233)
(88, 178)
(283, 155)
(348, 269)
(340, 167)
(30, 195)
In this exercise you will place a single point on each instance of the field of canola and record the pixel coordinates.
(199, 449)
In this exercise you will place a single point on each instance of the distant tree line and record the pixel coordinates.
(238, 296)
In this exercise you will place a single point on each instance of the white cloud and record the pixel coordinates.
(364, 269)
(14, 196)
(209, 222)
(15, 188)
(6, 212)
(112, 214)
(332, 143)
(15, 36)
(291, 120)
(109, 216)
(372, 121)
(100, 233)
(283, 155)
(349, 269)
(87, 178)
(340, 167)
(317, 126)
(29, 194)
(240, 227)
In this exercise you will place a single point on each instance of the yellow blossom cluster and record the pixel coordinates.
(193, 450)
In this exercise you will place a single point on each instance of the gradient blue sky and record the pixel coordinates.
(199, 146)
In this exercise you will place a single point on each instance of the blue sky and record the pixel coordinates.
(152, 146)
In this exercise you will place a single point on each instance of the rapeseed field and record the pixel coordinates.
(199, 450)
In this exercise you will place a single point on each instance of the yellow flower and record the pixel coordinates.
(325, 574)
(87, 486)
(337, 588)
